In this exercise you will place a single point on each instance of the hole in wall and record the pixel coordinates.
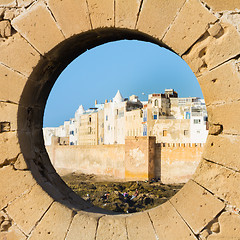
(153, 98)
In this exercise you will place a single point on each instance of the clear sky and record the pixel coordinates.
(133, 67)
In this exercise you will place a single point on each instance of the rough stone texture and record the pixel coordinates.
(229, 227)
(24, 3)
(5, 29)
(202, 207)
(221, 84)
(9, 146)
(20, 163)
(227, 115)
(211, 51)
(188, 27)
(9, 80)
(28, 209)
(112, 228)
(126, 13)
(83, 226)
(72, 16)
(168, 224)
(27, 58)
(224, 150)
(13, 233)
(101, 13)
(7, 3)
(39, 28)
(221, 181)
(15, 183)
(54, 224)
(157, 15)
(139, 227)
(217, 5)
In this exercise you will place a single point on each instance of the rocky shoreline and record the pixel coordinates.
(121, 197)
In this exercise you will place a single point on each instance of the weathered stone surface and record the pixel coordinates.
(156, 16)
(72, 16)
(214, 50)
(54, 224)
(221, 84)
(168, 224)
(9, 146)
(229, 227)
(29, 208)
(223, 149)
(112, 228)
(7, 3)
(217, 5)
(220, 181)
(15, 183)
(190, 24)
(20, 163)
(5, 29)
(140, 227)
(202, 207)
(126, 13)
(13, 233)
(227, 115)
(24, 3)
(39, 28)
(101, 13)
(84, 226)
(18, 54)
(9, 80)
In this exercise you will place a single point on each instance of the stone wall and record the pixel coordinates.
(38, 39)
(178, 161)
(98, 159)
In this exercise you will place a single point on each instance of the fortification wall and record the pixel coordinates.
(178, 161)
(98, 159)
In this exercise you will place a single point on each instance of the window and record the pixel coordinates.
(185, 132)
(89, 130)
(156, 103)
(108, 127)
(155, 116)
(106, 117)
(197, 121)
(164, 133)
(71, 132)
(90, 119)
(71, 143)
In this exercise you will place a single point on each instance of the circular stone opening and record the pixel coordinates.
(42, 80)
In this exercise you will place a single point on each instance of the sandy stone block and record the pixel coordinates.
(126, 13)
(39, 28)
(29, 208)
(227, 115)
(24, 3)
(9, 115)
(5, 29)
(189, 26)
(7, 3)
(221, 84)
(9, 146)
(202, 207)
(214, 50)
(140, 227)
(223, 149)
(168, 224)
(54, 224)
(13, 233)
(83, 226)
(72, 16)
(101, 13)
(9, 81)
(20, 163)
(217, 5)
(13, 184)
(229, 227)
(221, 181)
(157, 15)
(112, 228)
(18, 54)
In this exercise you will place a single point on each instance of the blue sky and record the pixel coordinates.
(133, 67)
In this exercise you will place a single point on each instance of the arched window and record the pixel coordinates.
(156, 103)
